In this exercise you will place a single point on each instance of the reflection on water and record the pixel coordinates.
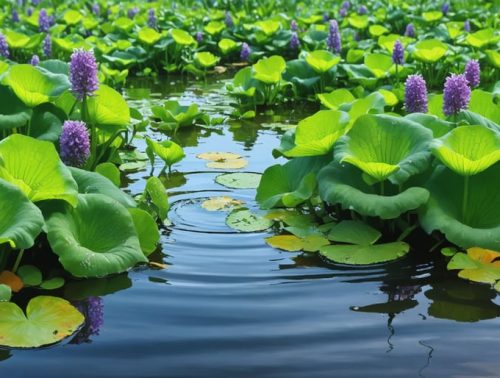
(228, 305)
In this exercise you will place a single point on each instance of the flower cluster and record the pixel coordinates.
(362, 10)
(467, 26)
(229, 20)
(35, 60)
(445, 8)
(132, 12)
(96, 9)
(47, 46)
(83, 74)
(152, 18)
(43, 21)
(472, 73)
(410, 30)
(245, 52)
(456, 94)
(4, 47)
(398, 53)
(15, 16)
(416, 94)
(199, 37)
(333, 42)
(293, 26)
(74, 143)
(344, 8)
(294, 41)
(93, 310)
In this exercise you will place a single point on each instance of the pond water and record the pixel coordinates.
(228, 305)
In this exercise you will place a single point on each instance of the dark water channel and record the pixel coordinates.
(228, 305)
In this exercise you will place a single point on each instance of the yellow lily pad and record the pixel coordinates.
(478, 265)
(221, 203)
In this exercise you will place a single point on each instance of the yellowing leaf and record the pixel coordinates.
(218, 156)
(478, 265)
(289, 243)
(228, 164)
(11, 280)
(221, 203)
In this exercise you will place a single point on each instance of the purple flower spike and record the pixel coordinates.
(74, 143)
(415, 94)
(15, 16)
(229, 20)
(346, 5)
(93, 310)
(35, 60)
(43, 21)
(199, 37)
(96, 9)
(472, 73)
(343, 12)
(29, 11)
(326, 17)
(152, 18)
(456, 94)
(47, 46)
(4, 47)
(132, 12)
(467, 26)
(245, 52)
(333, 42)
(410, 31)
(294, 41)
(83, 74)
(398, 53)
(35, 2)
(362, 10)
(445, 8)
(293, 26)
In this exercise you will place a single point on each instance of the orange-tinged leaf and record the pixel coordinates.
(483, 255)
(289, 243)
(10, 279)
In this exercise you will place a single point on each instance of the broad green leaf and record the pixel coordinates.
(147, 230)
(386, 147)
(365, 254)
(354, 232)
(214, 27)
(269, 27)
(246, 221)
(157, 194)
(227, 45)
(109, 171)
(482, 38)
(13, 112)
(377, 30)
(430, 50)
(72, 17)
(108, 109)
(182, 37)
(292, 243)
(30, 275)
(336, 98)
(148, 36)
(493, 57)
(468, 150)
(46, 122)
(358, 21)
(239, 180)
(221, 203)
(35, 168)
(269, 70)
(379, 64)
(485, 104)
(170, 152)
(5, 293)
(206, 59)
(322, 61)
(20, 220)
(95, 239)
(48, 320)
(432, 16)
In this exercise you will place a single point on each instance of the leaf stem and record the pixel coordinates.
(18, 261)
(465, 199)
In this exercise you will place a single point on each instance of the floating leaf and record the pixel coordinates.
(354, 232)
(289, 243)
(246, 221)
(478, 265)
(53, 283)
(365, 254)
(269, 70)
(12, 280)
(30, 275)
(221, 203)
(48, 320)
(239, 180)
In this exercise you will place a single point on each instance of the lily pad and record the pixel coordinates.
(223, 203)
(354, 232)
(365, 254)
(239, 180)
(245, 220)
(478, 265)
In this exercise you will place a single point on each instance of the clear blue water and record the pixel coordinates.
(228, 305)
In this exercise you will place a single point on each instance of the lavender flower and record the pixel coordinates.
(410, 31)
(294, 41)
(43, 21)
(96, 9)
(132, 12)
(245, 52)
(35, 2)
(83, 74)
(472, 73)
(326, 17)
(93, 310)
(4, 47)
(15, 16)
(346, 5)
(456, 95)
(467, 26)
(293, 26)
(229, 20)
(362, 10)
(398, 53)
(333, 41)
(29, 11)
(47, 46)
(343, 12)
(199, 37)
(35, 60)
(445, 8)
(152, 18)
(74, 143)
(416, 94)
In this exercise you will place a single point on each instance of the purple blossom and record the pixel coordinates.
(4, 46)
(152, 18)
(294, 41)
(245, 52)
(199, 37)
(293, 26)
(96, 9)
(398, 53)
(326, 17)
(410, 30)
(83, 74)
(456, 95)
(416, 94)
(229, 20)
(35, 2)
(346, 4)
(47, 46)
(74, 143)
(472, 73)
(15, 16)
(343, 12)
(93, 310)
(333, 41)
(467, 26)
(132, 12)
(445, 8)
(362, 10)
(29, 11)
(43, 21)
(35, 60)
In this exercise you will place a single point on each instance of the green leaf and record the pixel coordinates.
(109, 171)
(48, 320)
(206, 59)
(322, 61)
(239, 180)
(148, 36)
(269, 27)
(20, 220)
(386, 147)
(354, 232)
(336, 98)
(170, 152)
(269, 70)
(46, 122)
(379, 64)
(30, 275)
(432, 16)
(214, 27)
(246, 221)
(147, 231)
(34, 87)
(53, 283)
(107, 109)
(174, 113)
(95, 239)
(478, 265)
(227, 45)
(182, 37)
(365, 254)
(13, 112)
(72, 17)
(481, 38)
(34, 166)
(468, 150)
(158, 196)
(5, 293)
(430, 50)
